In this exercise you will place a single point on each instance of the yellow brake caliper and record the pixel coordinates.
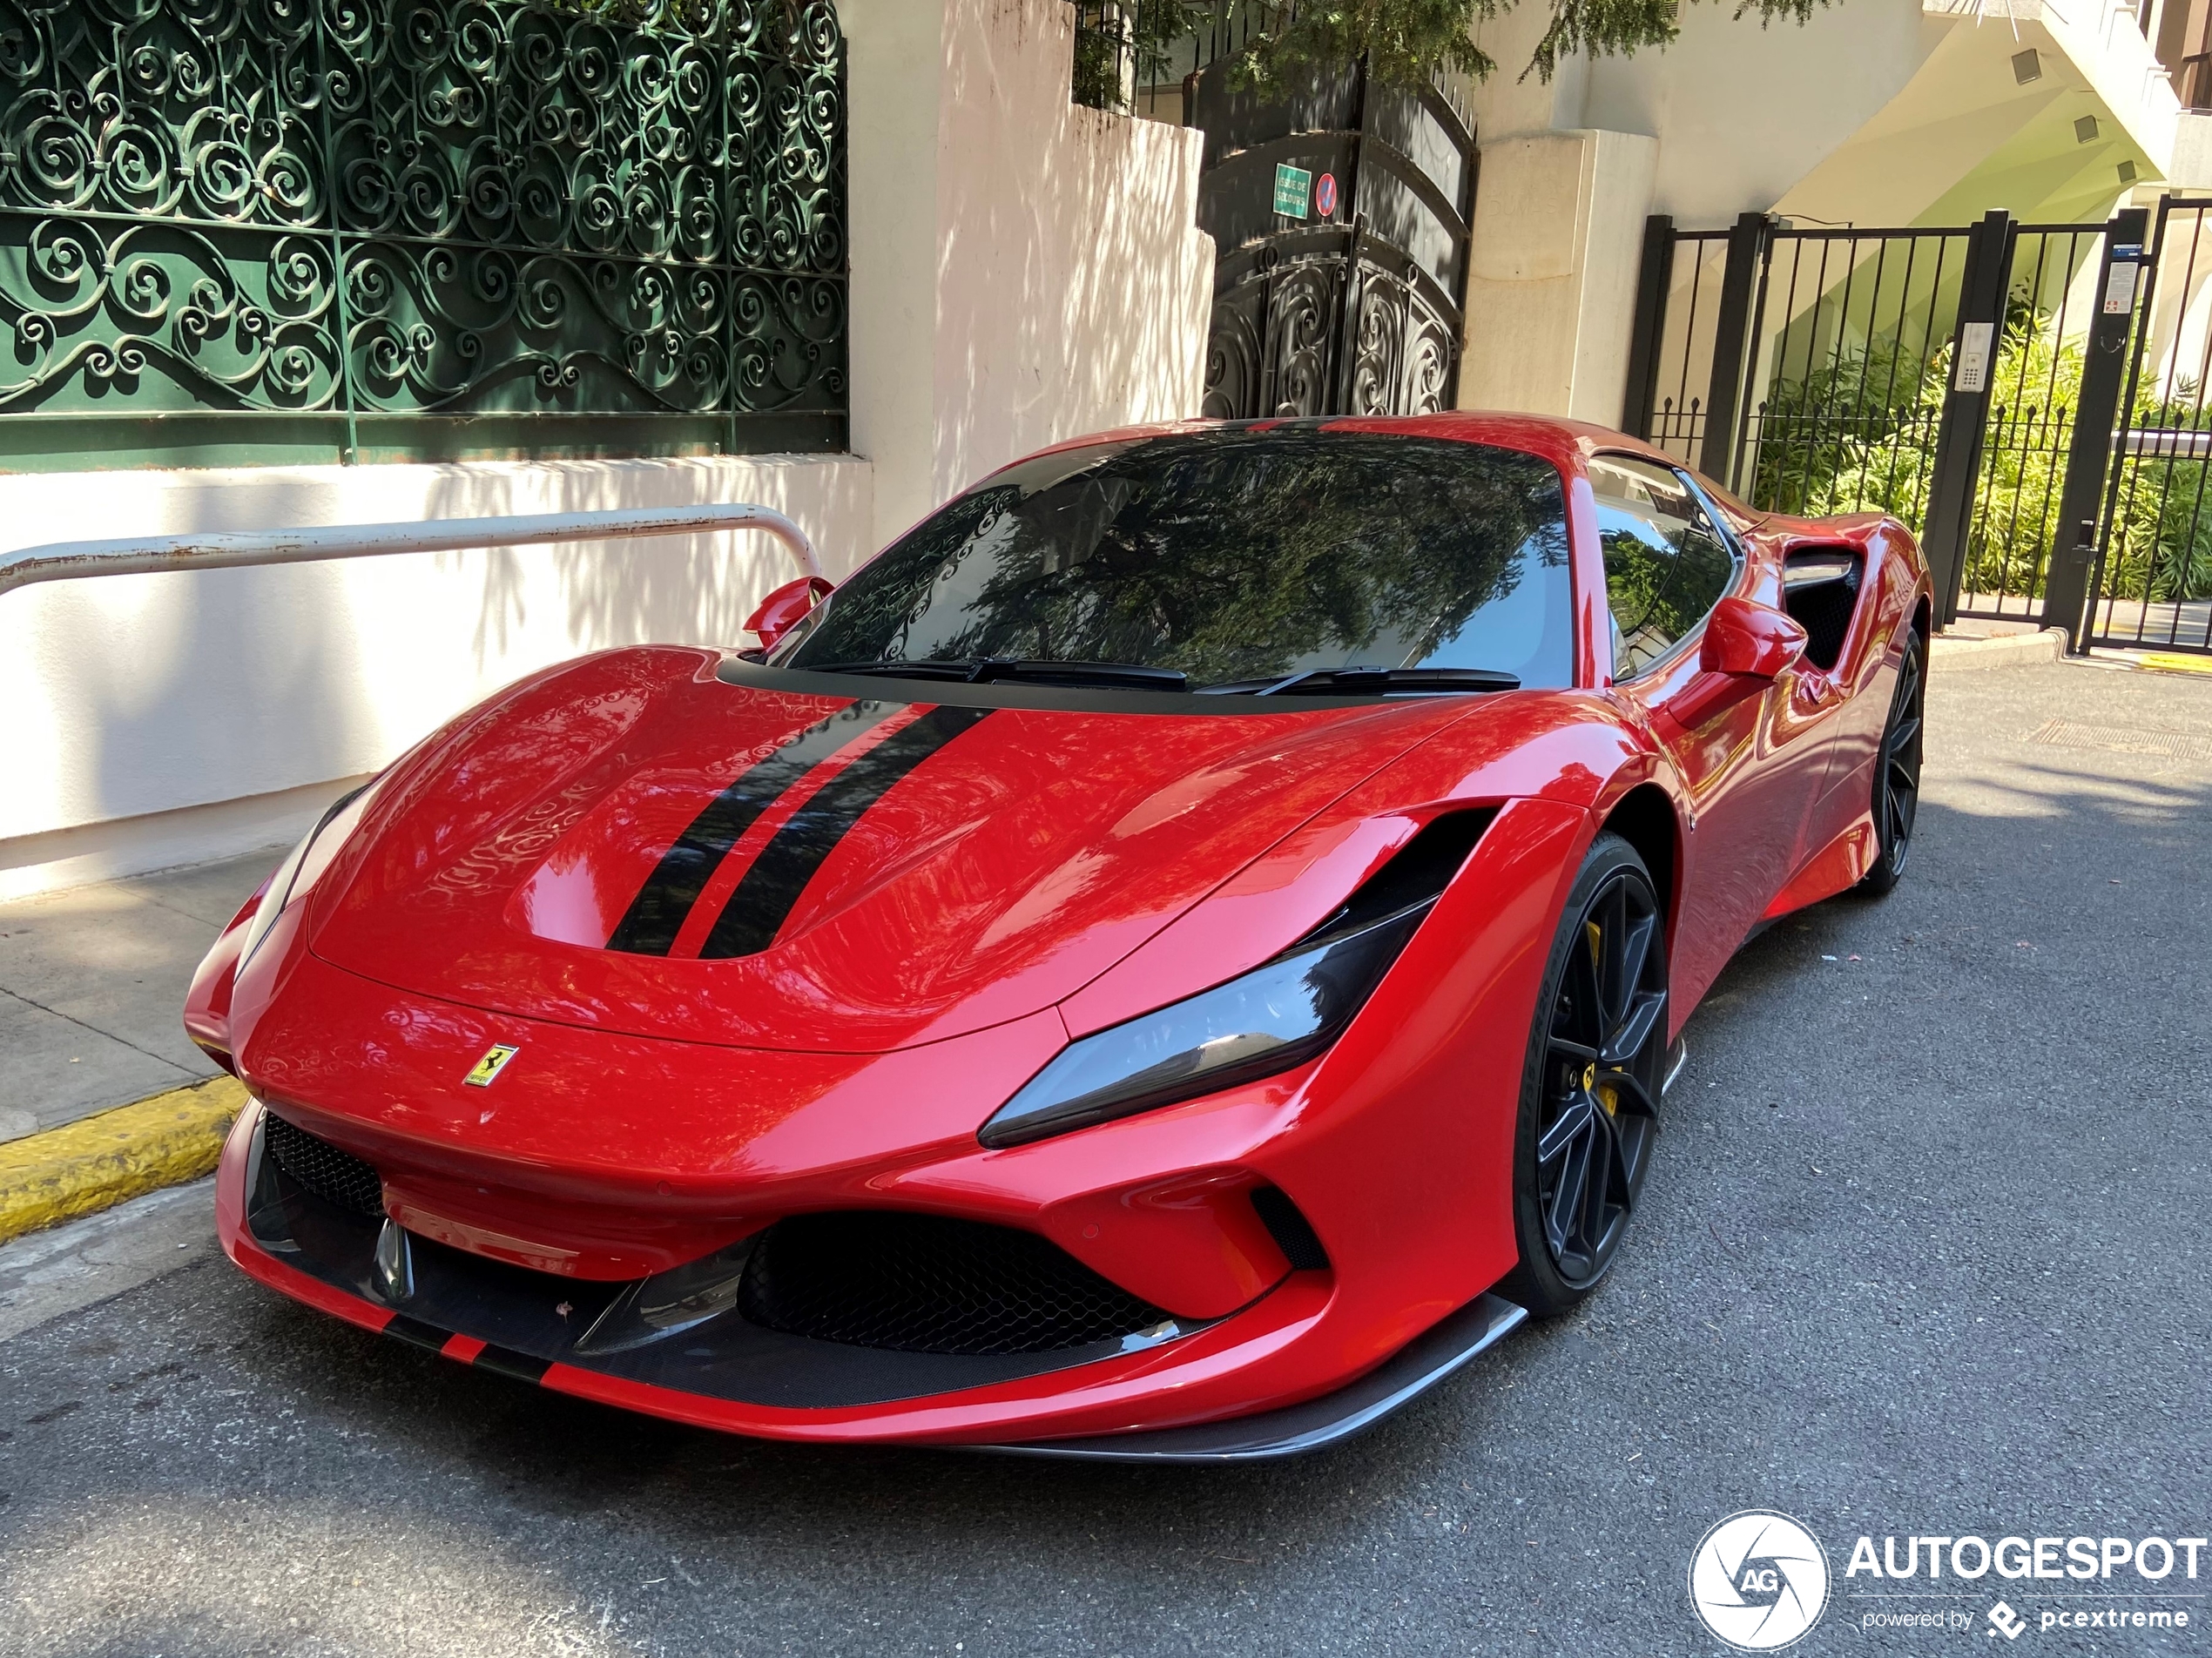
(1606, 1094)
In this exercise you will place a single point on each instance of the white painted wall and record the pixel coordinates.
(1072, 285)
(1049, 251)
(134, 696)
(1744, 112)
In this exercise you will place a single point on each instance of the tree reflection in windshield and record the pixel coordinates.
(1229, 556)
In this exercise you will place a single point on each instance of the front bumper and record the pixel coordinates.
(726, 1372)
(1159, 1396)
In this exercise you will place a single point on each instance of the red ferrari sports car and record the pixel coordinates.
(1167, 961)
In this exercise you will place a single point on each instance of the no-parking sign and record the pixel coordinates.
(1325, 195)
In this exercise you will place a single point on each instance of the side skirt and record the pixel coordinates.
(1835, 868)
(1399, 1379)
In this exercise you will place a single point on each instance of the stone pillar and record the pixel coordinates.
(1551, 275)
(895, 93)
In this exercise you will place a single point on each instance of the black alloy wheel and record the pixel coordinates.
(1590, 1097)
(1897, 772)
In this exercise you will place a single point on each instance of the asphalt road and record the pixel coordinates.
(1924, 1252)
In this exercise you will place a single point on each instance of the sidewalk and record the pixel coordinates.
(93, 985)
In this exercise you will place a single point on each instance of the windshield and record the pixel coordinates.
(1229, 556)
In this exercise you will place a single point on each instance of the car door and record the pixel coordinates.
(1750, 759)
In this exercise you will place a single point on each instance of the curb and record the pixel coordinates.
(98, 1161)
(2005, 650)
(2173, 661)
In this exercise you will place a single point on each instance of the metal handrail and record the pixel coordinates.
(67, 560)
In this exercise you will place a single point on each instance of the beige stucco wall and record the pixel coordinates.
(1552, 272)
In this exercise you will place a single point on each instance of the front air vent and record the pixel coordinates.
(1292, 1232)
(925, 1284)
(1416, 874)
(338, 1177)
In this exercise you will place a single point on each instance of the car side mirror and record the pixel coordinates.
(785, 608)
(1749, 640)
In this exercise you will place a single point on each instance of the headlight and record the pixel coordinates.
(303, 866)
(1276, 1016)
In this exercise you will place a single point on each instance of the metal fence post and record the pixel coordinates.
(2066, 590)
(1747, 246)
(1654, 277)
(1974, 345)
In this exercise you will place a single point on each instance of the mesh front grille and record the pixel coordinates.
(336, 1176)
(921, 1283)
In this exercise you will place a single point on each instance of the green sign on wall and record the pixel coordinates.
(1293, 191)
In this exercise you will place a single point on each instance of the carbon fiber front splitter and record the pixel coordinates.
(1404, 1377)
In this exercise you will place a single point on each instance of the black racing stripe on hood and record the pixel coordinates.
(758, 910)
(656, 915)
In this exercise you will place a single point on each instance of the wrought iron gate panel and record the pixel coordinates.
(1359, 311)
(2152, 585)
(1271, 344)
(2035, 383)
(254, 228)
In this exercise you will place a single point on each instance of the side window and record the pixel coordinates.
(1665, 563)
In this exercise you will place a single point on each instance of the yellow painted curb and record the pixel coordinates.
(2173, 662)
(88, 1164)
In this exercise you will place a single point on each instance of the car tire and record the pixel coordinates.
(1897, 771)
(1591, 1082)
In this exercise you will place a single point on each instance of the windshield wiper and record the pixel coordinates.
(1036, 670)
(1337, 682)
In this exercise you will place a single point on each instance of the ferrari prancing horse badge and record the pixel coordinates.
(486, 1070)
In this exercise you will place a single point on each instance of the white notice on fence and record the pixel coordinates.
(2119, 288)
(1975, 341)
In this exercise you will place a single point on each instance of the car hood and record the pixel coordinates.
(634, 843)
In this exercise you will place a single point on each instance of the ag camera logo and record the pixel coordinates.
(1759, 1580)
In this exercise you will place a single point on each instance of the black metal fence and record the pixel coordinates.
(1966, 379)
(1138, 55)
(2153, 584)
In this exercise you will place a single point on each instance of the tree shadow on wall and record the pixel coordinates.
(540, 603)
(1072, 286)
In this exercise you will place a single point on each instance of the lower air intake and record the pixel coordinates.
(338, 1177)
(922, 1283)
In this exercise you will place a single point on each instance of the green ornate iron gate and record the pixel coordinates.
(315, 229)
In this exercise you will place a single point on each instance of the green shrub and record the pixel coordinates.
(1859, 435)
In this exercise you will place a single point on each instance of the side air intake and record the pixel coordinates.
(1292, 1232)
(1820, 591)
